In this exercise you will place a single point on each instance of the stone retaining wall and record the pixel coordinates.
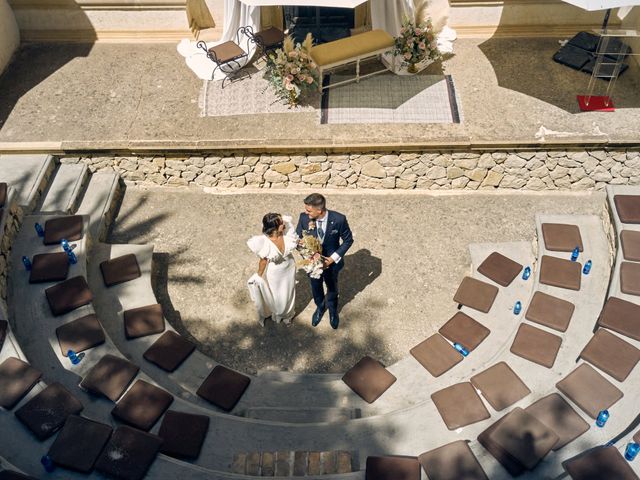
(534, 170)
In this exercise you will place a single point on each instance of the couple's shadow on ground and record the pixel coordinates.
(360, 270)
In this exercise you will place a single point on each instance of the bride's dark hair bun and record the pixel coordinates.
(271, 222)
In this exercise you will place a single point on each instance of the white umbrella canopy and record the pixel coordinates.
(305, 3)
(593, 5)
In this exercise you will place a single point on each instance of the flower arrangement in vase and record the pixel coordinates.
(417, 41)
(292, 71)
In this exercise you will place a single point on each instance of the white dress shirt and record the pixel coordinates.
(322, 223)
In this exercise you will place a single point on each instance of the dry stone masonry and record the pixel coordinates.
(533, 170)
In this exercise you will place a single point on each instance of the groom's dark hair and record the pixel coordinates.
(316, 200)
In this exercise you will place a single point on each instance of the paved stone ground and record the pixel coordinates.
(114, 93)
(409, 255)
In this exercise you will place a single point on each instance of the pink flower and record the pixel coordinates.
(407, 56)
(309, 80)
(422, 46)
(293, 54)
(289, 86)
(289, 77)
(295, 71)
(418, 31)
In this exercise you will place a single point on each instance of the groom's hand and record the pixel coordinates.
(327, 261)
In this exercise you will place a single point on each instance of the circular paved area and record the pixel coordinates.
(409, 255)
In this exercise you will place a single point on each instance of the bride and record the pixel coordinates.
(274, 295)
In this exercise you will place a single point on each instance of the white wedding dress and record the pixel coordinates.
(274, 294)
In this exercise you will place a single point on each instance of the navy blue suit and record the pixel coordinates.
(337, 239)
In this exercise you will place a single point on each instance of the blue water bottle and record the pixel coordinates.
(39, 229)
(603, 416)
(75, 358)
(517, 308)
(27, 263)
(526, 273)
(631, 451)
(575, 253)
(65, 244)
(47, 463)
(72, 257)
(463, 351)
(587, 267)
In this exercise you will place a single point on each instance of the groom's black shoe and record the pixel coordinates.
(334, 320)
(317, 316)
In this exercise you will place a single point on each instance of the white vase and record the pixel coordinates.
(399, 66)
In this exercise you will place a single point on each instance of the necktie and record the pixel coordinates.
(320, 231)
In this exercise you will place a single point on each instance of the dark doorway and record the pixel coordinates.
(325, 23)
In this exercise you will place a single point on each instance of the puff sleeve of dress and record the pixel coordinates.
(259, 244)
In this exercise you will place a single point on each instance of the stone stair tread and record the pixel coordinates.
(97, 201)
(303, 415)
(63, 192)
(26, 173)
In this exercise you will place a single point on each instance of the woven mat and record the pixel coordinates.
(248, 96)
(389, 98)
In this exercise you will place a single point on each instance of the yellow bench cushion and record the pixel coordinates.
(351, 47)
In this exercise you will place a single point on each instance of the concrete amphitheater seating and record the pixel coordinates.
(489, 439)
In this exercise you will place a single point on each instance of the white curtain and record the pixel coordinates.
(236, 15)
(387, 15)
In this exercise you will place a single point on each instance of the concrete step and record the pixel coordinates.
(28, 174)
(65, 190)
(100, 203)
(297, 463)
(293, 377)
(303, 415)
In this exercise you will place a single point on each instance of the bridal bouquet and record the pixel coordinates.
(310, 249)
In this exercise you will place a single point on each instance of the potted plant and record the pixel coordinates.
(416, 46)
(292, 71)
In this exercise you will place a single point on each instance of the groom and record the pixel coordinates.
(330, 228)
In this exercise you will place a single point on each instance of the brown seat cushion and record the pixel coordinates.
(611, 354)
(49, 267)
(183, 434)
(17, 378)
(45, 413)
(463, 329)
(79, 443)
(628, 208)
(500, 386)
(500, 269)
(550, 311)
(129, 454)
(536, 345)
(599, 463)
(3, 193)
(69, 228)
(508, 461)
(270, 36)
(224, 387)
(80, 334)
(120, 269)
(621, 316)
(589, 390)
(524, 437)
(169, 351)
(630, 278)
(227, 51)
(559, 272)
(369, 379)
(142, 405)
(560, 237)
(630, 240)
(436, 355)
(143, 321)
(11, 475)
(460, 405)
(453, 461)
(636, 437)
(559, 416)
(476, 294)
(4, 328)
(66, 296)
(110, 377)
(392, 468)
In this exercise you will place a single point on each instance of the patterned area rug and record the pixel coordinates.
(248, 96)
(389, 98)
